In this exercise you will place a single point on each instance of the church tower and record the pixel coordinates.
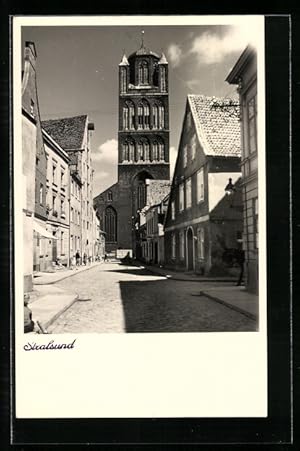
(143, 137)
(143, 143)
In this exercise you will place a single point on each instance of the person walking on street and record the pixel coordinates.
(84, 258)
(77, 258)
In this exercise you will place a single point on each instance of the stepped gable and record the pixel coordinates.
(68, 132)
(218, 128)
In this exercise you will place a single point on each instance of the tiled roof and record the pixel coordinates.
(217, 125)
(68, 132)
(157, 191)
(143, 51)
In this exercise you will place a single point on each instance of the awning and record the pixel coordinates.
(38, 227)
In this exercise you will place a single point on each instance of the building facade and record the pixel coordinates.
(196, 234)
(57, 201)
(35, 235)
(143, 145)
(244, 74)
(73, 136)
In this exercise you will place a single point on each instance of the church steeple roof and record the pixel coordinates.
(163, 59)
(124, 61)
(143, 50)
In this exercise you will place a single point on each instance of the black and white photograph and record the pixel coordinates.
(140, 211)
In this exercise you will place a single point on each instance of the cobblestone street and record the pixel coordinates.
(131, 299)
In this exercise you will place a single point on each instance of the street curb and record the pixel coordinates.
(227, 304)
(186, 280)
(65, 277)
(60, 312)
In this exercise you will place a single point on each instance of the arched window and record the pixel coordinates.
(110, 224)
(161, 151)
(140, 115)
(125, 117)
(140, 151)
(155, 151)
(146, 150)
(146, 115)
(161, 116)
(143, 73)
(131, 115)
(131, 151)
(155, 116)
(141, 200)
(125, 151)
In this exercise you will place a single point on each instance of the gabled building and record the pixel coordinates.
(244, 75)
(35, 235)
(208, 156)
(57, 201)
(143, 145)
(73, 136)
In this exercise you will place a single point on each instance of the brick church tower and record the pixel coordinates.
(143, 144)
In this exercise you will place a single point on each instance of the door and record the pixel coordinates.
(54, 248)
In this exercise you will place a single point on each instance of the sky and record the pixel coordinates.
(77, 73)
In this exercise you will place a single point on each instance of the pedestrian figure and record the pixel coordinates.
(105, 258)
(84, 259)
(77, 258)
(241, 261)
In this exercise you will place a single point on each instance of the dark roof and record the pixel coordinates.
(143, 51)
(217, 125)
(68, 132)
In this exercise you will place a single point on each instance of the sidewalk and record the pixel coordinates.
(47, 278)
(48, 302)
(234, 297)
(185, 276)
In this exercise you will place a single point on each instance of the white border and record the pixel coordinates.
(142, 375)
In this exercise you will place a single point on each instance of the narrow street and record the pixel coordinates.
(131, 299)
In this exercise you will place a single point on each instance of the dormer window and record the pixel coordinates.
(32, 108)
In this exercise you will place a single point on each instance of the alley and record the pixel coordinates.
(131, 299)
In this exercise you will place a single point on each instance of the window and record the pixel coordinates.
(185, 156)
(131, 115)
(53, 174)
(193, 146)
(200, 236)
(155, 116)
(125, 151)
(251, 113)
(62, 243)
(146, 116)
(62, 208)
(140, 116)
(131, 151)
(161, 116)
(72, 186)
(32, 108)
(53, 203)
(72, 244)
(188, 193)
(161, 151)
(140, 151)
(255, 222)
(109, 196)
(78, 218)
(173, 209)
(125, 117)
(72, 214)
(147, 150)
(41, 194)
(143, 73)
(200, 185)
(181, 244)
(62, 177)
(110, 224)
(155, 151)
(87, 225)
(181, 197)
(173, 245)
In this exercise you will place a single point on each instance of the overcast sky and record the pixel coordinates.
(77, 69)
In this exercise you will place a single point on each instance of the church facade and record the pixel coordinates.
(143, 146)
